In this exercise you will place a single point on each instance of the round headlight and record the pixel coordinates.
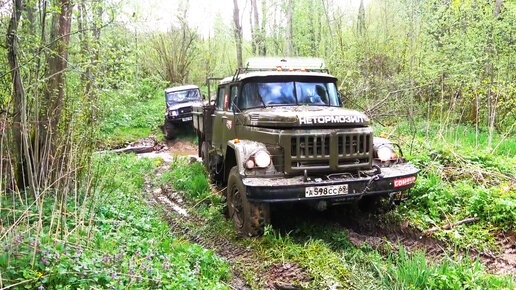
(262, 159)
(386, 153)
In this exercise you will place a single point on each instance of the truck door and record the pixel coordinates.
(229, 129)
(218, 122)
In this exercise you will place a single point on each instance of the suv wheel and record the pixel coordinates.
(169, 130)
(248, 218)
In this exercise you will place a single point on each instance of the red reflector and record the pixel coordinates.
(279, 68)
(404, 181)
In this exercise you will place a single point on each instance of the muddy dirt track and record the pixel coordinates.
(362, 227)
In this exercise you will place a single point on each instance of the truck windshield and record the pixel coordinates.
(183, 96)
(288, 94)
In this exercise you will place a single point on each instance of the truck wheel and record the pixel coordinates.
(169, 129)
(248, 218)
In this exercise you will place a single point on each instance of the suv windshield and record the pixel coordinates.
(288, 94)
(183, 96)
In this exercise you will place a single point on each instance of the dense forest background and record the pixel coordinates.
(67, 66)
(450, 61)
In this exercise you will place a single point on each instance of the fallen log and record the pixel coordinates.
(136, 150)
(451, 225)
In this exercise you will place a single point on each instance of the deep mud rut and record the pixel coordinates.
(362, 228)
(384, 236)
(277, 276)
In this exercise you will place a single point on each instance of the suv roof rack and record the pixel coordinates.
(282, 64)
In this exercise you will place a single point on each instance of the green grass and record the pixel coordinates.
(126, 117)
(460, 178)
(190, 179)
(326, 254)
(414, 271)
(128, 244)
(458, 135)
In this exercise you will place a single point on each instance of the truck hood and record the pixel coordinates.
(176, 106)
(304, 116)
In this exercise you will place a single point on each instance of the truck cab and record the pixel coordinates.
(276, 132)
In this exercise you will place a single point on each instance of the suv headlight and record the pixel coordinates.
(173, 113)
(262, 159)
(386, 153)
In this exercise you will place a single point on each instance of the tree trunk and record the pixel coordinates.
(238, 32)
(263, 49)
(288, 37)
(257, 31)
(54, 92)
(498, 8)
(22, 166)
(361, 19)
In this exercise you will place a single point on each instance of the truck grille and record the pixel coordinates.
(340, 151)
(310, 146)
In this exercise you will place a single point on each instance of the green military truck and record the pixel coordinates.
(276, 132)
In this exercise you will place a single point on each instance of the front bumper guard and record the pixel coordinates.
(280, 189)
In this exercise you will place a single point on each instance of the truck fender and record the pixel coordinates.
(243, 150)
(380, 141)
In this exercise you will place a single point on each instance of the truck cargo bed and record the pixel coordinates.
(202, 121)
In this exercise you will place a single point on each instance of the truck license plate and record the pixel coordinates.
(319, 191)
(187, 119)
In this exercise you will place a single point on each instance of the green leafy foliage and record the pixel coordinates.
(126, 244)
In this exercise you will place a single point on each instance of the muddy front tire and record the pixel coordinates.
(169, 129)
(248, 218)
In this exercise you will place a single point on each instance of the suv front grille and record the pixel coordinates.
(185, 110)
(341, 151)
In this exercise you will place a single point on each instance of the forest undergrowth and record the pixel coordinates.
(460, 178)
(108, 237)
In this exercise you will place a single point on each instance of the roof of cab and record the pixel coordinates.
(244, 76)
(181, 88)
